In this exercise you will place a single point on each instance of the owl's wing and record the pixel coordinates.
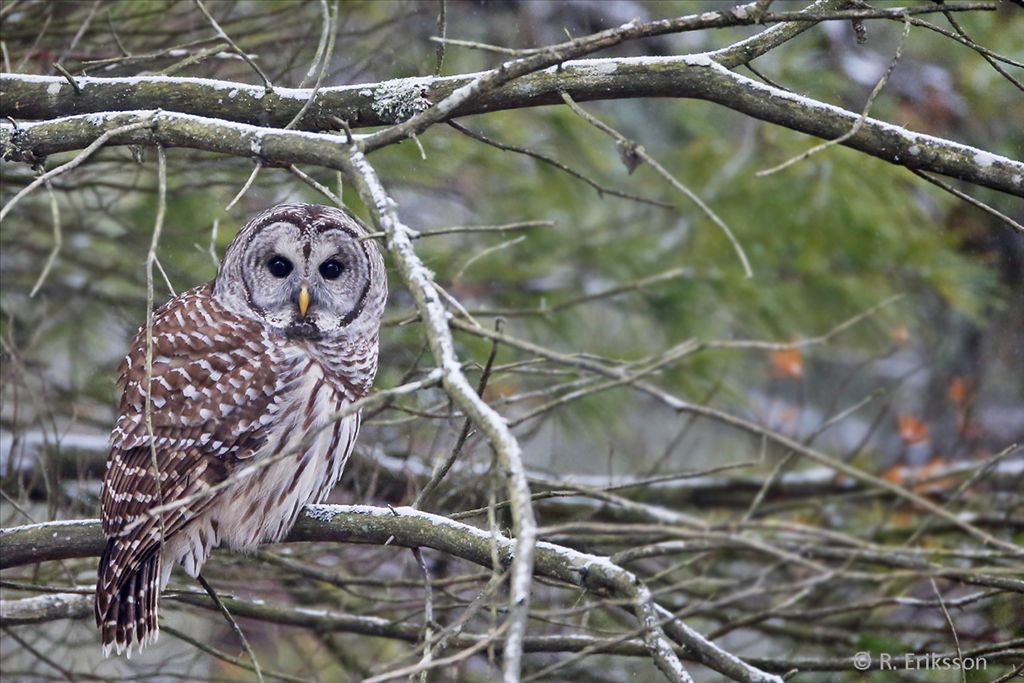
(213, 385)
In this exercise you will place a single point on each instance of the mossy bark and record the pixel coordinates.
(378, 104)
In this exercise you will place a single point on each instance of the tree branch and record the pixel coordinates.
(409, 528)
(439, 337)
(898, 145)
(41, 97)
(51, 607)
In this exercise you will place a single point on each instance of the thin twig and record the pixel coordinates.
(484, 253)
(158, 224)
(443, 467)
(117, 38)
(70, 79)
(194, 58)
(952, 627)
(57, 241)
(981, 471)
(325, 29)
(990, 56)
(82, 28)
(456, 229)
(486, 47)
(309, 180)
(443, 662)
(77, 161)
(601, 189)
(442, 27)
(245, 188)
(68, 676)
(32, 50)
(234, 46)
(328, 53)
(860, 120)
(231, 622)
(816, 340)
(969, 199)
(213, 243)
(630, 149)
(224, 657)
(163, 274)
(428, 615)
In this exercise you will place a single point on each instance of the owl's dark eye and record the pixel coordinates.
(331, 269)
(279, 266)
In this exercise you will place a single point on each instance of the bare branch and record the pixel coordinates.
(697, 77)
(505, 445)
(411, 528)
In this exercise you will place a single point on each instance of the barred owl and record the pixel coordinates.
(246, 374)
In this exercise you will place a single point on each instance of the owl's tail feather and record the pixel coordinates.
(126, 602)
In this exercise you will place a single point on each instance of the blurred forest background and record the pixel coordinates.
(535, 218)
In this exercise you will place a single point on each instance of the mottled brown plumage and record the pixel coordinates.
(246, 370)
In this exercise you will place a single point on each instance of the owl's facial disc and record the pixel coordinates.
(307, 282)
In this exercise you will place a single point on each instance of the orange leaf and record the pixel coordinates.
(895, 474)
(957, 390)
(936, 465)
(932, 467)
(900, 334)
(787, 363)
(912, 430)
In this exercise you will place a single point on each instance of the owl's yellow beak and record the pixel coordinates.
(303, 300)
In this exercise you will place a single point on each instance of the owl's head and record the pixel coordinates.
(304, 270)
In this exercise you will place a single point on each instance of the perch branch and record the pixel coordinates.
(408, 528)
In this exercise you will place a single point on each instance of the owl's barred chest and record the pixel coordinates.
(342, 371)
(307, 410)
(305, 447)
(307, 444)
